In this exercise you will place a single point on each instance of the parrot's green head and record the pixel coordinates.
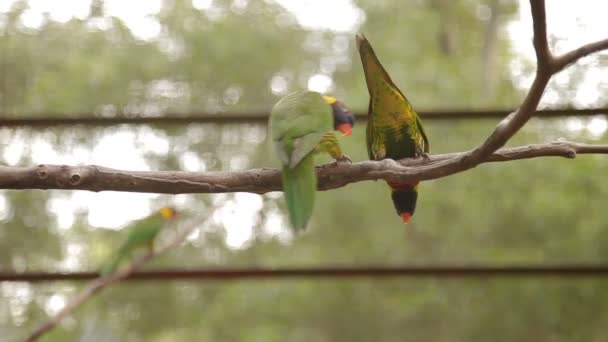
(344, 120)
(167, 213)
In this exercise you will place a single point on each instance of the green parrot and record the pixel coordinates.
(394, 129)
(141, 234)
(301, 125)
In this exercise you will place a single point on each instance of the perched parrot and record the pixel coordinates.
(141, 234)
(394, 130)
(302, 124)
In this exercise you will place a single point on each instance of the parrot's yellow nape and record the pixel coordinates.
(167, 213)
(330, 100)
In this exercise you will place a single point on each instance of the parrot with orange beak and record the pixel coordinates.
(394, 129)
(301, 125)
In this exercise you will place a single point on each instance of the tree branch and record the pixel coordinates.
(259, 181)
(541, 45)
(547, 66)
(568, 58)
(99, 284)
(96, 178)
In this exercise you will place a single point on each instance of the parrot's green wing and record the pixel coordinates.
(394, 129)
(141, 233)
(298, 122)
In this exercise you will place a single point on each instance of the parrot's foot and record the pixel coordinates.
(343, 159)
(425, 156)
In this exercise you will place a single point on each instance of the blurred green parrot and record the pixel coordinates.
(394, 129)
(301, 125)
(141, 234)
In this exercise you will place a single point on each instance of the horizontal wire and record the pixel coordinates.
(90, 119)
(418, 271)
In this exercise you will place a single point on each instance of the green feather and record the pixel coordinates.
(394, 129)
(112, 264)
(299, 185)
(297, 124)
(141, 234)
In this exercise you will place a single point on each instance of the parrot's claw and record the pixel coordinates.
(425, 156)
(343, 159)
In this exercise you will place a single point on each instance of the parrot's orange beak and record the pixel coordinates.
(406, 217)
(345, 128)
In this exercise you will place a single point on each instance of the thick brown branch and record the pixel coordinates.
(331, 176)
(99, 284)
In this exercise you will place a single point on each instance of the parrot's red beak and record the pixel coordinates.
(406, 217)
(345, 128)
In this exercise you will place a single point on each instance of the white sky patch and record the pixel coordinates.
(5, 5)
(32, 19)
(189, 161)
(14, 151)
(593, 88)
(19, 295)
(64, 209)
(276, 225)
(335, 15)
(114, 209)
(569, 25)
(597, 126)
(574, 124)
(33, 16)
(3, 208)
(118, 150)
(55, 303)
(138, 15)
(73, 257)
(278, 84)
(572, 24)
(152, 141)
(202, 4)
(42, 152)
(238, 216)
(320, 83)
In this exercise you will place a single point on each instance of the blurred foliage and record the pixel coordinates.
(241, 56)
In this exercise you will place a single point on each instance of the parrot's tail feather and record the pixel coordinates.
(404, 198)
(299, 185)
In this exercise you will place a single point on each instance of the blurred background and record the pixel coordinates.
(175, 57)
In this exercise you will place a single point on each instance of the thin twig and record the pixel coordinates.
(99, 284)
(566, 59)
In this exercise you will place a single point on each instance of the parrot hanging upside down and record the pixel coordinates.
(394, 129)
(301, 125)
(141, 234)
